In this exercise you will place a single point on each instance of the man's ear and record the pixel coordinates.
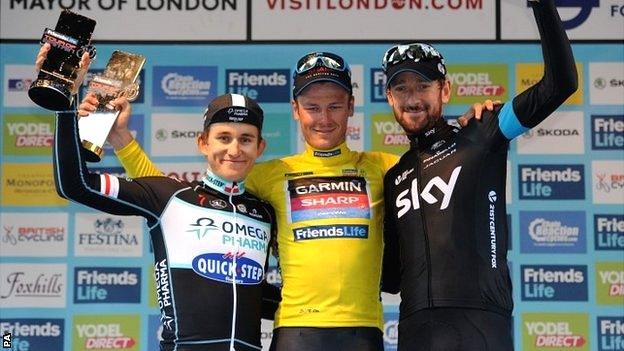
(295, 109)
(446, 91)
(202, 145)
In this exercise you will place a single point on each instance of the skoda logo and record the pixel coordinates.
(600, 83)
(161, 135)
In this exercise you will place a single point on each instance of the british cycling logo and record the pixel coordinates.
(585, 9)
(610, 333)
(33, 334)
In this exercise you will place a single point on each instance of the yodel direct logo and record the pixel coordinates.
(107, 285)
(551, 182)
(554, 283)
(262, 85)
(607, 132)
(609, 232)
(33, 334)
(610, 333)
(555, 331)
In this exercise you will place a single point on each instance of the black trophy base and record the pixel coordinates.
(51, 94)
(91, 152)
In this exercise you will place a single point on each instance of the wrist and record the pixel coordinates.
(119, 138)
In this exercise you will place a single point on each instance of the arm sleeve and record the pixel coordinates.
(391, 265)
(271, 297)
(135, 161)
(558, 82)
(102, 192)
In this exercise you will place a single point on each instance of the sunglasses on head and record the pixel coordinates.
(415, 52)
(324, 59)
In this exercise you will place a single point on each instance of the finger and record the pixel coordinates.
(478, 110)
(85, 60)
(82, 113)
(462, 121)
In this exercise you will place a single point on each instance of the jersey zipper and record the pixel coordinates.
(234, 292)
(424, 226)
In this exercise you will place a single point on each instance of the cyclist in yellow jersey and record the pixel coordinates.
(329, 205)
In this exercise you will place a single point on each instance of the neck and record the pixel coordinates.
(221, 185)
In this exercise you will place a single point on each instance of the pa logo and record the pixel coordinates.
(585, 8)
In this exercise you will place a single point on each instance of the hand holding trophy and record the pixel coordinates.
(61, 72)
(118, 80)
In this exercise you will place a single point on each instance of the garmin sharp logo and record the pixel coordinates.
(585, 9)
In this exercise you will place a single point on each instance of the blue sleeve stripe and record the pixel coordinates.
(508, 122)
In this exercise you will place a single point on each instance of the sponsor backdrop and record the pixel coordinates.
(76, 279)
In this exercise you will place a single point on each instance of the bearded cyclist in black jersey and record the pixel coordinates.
(210, 237)
(445, 226)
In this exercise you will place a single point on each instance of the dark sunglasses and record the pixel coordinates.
(415, 52)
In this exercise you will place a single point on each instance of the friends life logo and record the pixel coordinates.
(607, 132)
(610, 333)
(551, 182)
(608, 232)
(262, 85)
(584, 7)
(107, 285)
(554, 282)
(32, 334)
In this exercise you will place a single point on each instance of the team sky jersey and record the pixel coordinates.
(329, 206)
(210, 241)
(445, 224)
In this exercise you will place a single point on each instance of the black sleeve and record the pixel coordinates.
(74, 182)
(271, 297)
(560, 77)
(391, 265)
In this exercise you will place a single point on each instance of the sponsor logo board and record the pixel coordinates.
(45, 237)
(561, 133)
(607, 132)
(528, 74)
(107, 285)
(387, 135)
(175, 134)
(554, 282)
(17, 79)
(608, 182)
(476, 83)
(609, 232)
(551, 182)
(184, 85)
(606, 83)
(33, 285)
(34, 334)
(552, 232)
(107, 235)
(555, 331)
(29, 184)
(262, 85)
(610, 333)
(610, 283)
(110, 332)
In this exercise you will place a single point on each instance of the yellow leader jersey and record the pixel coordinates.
(329, 207)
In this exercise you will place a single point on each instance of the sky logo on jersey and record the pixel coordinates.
(184, 85)
(378, 85)
(610, 283)
(551, 182)
(554, 283)
(474, 83)
(610, 333)
(607, 132)
(34, 334)
(555, 331)
(552, 232)
(262, 85)
(609, 232)
(328, 197)
(106, 332)
(27, 135)
(107, 285)
(391, 331)
(222, 268)
(84, 88)
(341, 231)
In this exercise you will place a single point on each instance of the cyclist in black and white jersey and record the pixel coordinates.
(210, 237)
(445, 227)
